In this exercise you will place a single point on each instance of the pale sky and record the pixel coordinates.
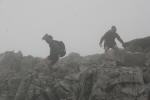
(79, 23)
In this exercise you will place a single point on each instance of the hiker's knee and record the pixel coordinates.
(53, 59)
(106, 48)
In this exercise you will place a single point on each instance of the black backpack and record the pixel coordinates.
(61, 48)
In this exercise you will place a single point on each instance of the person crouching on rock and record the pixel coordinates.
(109, 39)
(57, 49)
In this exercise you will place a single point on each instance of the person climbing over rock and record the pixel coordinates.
(57, 49)
(109, 39)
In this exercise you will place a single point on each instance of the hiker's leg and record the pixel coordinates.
(50, 59)
(115, 47)
(50, 62)
(115, 56)
(54, 59)
(107, 53)
(106, 48)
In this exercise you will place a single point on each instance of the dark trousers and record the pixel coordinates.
(108, 46)
(53, 59)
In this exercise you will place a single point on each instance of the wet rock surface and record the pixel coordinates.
(116, 75)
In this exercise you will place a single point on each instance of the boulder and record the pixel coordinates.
(127, 58)
(112, 83)
(139, 45)
(11, 61)
(22, 90)
(75, 77)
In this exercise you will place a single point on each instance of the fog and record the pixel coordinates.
(79, 23)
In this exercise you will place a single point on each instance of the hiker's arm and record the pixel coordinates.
(119, 39)
(101, 41)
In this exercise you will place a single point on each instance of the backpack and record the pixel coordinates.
(62, 49)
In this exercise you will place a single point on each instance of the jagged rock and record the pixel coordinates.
(87, 80)
(139, 45)
(128, 58)
(109, 83)
(22, 91)
(146, 75)
(148, 59)
(11, 86)
(11, 61)
(92, 60)
(74, 77)
(39, 86)
(28, 63)
(146, 71)
(68, 65)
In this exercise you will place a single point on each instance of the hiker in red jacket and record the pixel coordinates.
(109, 39)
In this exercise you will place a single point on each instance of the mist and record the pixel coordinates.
(79, 23)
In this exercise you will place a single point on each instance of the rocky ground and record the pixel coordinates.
(117, 75)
